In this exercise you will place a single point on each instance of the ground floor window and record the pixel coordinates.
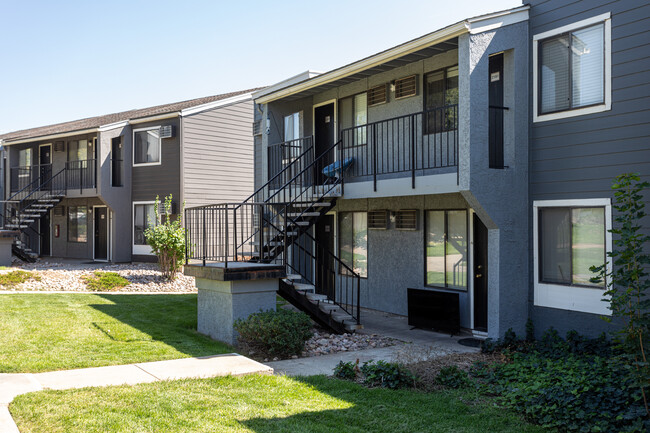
(77, 224)
(446, 249)
(353, 241)
(144, 216)
(570, 237)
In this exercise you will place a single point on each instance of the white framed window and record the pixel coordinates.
(572, 69)
(146, 146)
(24, 162)
(569, 237)
(144, 216)
(291, 133)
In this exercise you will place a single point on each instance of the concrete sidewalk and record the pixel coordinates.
(12, 385)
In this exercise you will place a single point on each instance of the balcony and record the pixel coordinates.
(412, 145)
(78, 175)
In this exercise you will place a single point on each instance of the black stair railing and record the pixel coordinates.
(81, 174)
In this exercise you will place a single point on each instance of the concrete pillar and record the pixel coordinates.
(6, 239)
(220, 303)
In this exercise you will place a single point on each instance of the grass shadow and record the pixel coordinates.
(170, 319)
(387, 411)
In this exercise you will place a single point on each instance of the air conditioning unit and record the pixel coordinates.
(166, 131)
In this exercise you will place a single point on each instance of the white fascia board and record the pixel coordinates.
(154, 118)
(303, 76)
(496, 20)
(216, 104)
(114, 125)
(370, 62)
(51, 136)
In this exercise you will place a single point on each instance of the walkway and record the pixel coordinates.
(12, 385)
(417, 345)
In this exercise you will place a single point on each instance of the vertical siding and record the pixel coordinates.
(218, 155)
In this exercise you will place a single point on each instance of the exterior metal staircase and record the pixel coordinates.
(272, 226)
(24, 209)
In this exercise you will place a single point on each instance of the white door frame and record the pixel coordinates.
(336, 123)
(108, 234)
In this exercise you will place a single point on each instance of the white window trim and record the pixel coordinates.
(564, 297)
(145, 164)
(139, 249)
(603, 18)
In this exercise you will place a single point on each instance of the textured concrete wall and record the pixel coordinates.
(396, 257)
(499, 197)
(220, 303)
(5, 251)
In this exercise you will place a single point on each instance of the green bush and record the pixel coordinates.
(280, 333)
(453, 377)
(13, 278)
(100, 281)
(166, 237)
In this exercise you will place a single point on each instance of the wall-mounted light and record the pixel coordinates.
(392, 86)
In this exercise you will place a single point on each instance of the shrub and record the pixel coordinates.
(166, 237)
(376, 374)
(280, 333)
(453, 377)
(100, 281)
(13, 278)
(346, 370)
(387, 375)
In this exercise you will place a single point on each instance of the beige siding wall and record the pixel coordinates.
(218, 155)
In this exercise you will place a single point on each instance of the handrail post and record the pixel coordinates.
(413, 151)
(260, 231)
(286, 247)
(340, 145)
(234, 229)
(374, 156)
(228, 238)
(205, 252)
(358, 300)
(187, 261)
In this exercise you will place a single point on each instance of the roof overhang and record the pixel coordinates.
(48, 137)
(303, 82)
(216, 104)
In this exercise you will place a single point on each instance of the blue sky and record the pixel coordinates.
(65, 60)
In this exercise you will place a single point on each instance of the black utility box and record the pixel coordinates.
(430, 309)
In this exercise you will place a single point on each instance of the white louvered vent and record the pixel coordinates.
(257, 127)
(166, 131)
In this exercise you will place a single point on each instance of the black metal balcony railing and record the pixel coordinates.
(282, 155)
(25, 175)
(81, 174)
(410, 143)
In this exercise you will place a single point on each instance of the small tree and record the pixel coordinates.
(628, 282)
(167, 239)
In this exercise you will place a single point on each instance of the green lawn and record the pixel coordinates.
(259, 404)
(44, 332)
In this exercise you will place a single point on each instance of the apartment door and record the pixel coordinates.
(323, 137)
(101, 233)
(480, 275)
(45, 165)
(325, 272)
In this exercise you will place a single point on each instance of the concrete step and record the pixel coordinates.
(302, 287)
(318, 204)
(300, 223)
(303, 215)
(294, 277)
(17, 226)
(353, 327)
(42, 205)
(317, 297)
(333, 308)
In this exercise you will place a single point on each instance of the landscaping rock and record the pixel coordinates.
(143, 277)
(323, 343)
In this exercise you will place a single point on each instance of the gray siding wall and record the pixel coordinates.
(118, 199)
(159, 180)
(61, 247)
(218, 155)
(577, 157)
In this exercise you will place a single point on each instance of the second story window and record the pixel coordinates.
(291, 135)
(441, 100)
(571, 69)
(78, 150)
(146, 146)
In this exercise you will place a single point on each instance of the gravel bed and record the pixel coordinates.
(324, 343)
(143, 277)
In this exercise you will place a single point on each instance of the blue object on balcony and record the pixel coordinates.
(332, 169)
